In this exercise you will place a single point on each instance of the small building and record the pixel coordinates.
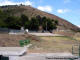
(11, 53)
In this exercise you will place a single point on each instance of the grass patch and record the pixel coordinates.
(53, 44)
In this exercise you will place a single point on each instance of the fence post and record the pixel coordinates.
(79, 50)
(72, 50)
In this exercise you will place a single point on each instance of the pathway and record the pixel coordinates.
(45, 34)
(47, 56)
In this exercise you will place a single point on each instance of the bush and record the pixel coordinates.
(24, 42)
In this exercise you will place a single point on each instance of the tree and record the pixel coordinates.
(2, 23)
(3, 15)
(48, 24)
(12, 22)
(38, 17)
(27, 25)
(23, 20)
(56, 22)
(34, 24)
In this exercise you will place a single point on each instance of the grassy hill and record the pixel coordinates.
(32, 12)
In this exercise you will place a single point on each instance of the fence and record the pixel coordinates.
(16, 31)
(11, 31)
(4, 30)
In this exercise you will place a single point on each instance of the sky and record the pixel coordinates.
(66, 9)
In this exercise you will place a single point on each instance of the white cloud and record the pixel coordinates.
(63, 10)
(45, 8)
(8, 2)
(67, 1)
(78, 26)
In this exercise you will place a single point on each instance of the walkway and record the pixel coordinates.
(47, 56)
(45, 34)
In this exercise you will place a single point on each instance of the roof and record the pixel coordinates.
(10, 51)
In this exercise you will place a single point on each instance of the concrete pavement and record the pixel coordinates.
(38, 56)
(45, 34)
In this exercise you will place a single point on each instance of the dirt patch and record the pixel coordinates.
(13, 40)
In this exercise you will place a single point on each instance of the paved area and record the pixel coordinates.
(38, 56)
(45, 34)
(11, 51)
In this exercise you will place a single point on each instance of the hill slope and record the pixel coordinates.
(32, 12)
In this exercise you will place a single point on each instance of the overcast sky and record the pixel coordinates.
(67, 9)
